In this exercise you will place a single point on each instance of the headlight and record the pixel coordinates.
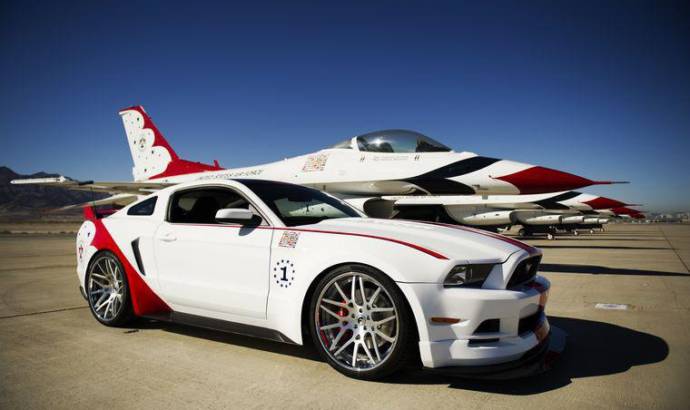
(470, 276)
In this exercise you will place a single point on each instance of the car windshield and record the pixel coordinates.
(398, 141)
(297, 205)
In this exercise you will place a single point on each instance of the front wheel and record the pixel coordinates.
(107, 290)
(360, 323)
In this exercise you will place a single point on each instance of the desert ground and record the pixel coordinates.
(53, 354)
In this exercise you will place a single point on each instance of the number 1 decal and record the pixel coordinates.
(284, 273)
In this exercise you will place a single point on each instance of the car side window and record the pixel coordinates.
(200, 205)
(144, 208)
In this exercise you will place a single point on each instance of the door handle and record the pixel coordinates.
(168, 237)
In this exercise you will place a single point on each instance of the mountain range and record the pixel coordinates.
(28, 199)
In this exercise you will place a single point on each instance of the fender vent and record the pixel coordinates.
(137, 256)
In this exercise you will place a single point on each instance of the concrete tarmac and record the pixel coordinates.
(53, 354)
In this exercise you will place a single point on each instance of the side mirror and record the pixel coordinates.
(234, 215)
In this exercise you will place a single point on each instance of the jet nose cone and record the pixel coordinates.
(604, 203)
(538, 180)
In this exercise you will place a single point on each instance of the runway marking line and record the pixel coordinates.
(44, 312)
(674, 249)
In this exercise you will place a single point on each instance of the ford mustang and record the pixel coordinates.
(290, 263)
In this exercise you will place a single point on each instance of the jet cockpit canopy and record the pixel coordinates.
(393, 141)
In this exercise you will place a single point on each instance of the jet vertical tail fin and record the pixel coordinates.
(153, 156)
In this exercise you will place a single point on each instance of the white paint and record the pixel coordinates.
(610, 306)
(148, 160)
(226, 272)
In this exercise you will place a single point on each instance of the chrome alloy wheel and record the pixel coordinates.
(357, 321)
(106, 289)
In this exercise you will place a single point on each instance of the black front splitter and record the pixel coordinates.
(539, 359)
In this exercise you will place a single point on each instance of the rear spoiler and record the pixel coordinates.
(91, 213)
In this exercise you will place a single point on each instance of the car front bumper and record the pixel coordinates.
(494, 326)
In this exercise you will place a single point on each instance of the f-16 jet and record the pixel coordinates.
(389, 162)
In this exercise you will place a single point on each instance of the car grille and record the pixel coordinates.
(489, 326)
(524, 272)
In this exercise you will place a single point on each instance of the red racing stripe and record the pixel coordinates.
(362, 235)
(382, 238)
(530, 249)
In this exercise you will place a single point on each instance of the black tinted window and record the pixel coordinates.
(143, 208)
(298, 205)
(201, 205)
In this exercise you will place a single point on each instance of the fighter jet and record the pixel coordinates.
(389, 162)
(488, 210)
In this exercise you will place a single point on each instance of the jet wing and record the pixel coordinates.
(122, 193)
(493, 201)
(115, 200)
(114, 188)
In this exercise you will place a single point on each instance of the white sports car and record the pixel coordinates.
(286, 262)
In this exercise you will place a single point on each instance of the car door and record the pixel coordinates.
(210, 268)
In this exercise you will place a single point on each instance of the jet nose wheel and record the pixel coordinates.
(359, 323)
(107, 290)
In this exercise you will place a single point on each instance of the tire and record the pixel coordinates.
(522, 233)
(549, 236)
(368, 338)
(576, 233)
(107, 290)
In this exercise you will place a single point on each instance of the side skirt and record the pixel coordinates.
(224, 326)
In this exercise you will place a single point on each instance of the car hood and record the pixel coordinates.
(451, 241)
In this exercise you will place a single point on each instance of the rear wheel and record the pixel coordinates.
(360, 323)
(107, 290)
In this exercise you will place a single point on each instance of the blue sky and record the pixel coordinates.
(595, 88)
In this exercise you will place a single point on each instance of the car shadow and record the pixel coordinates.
(529, 239)
(592, 349)
(303, 352)
(603, 270)
(596, 247)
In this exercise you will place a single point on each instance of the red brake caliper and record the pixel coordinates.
(342, 313)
